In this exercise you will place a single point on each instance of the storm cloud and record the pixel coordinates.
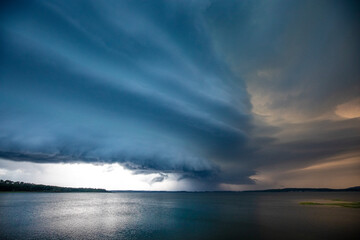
(213, 91)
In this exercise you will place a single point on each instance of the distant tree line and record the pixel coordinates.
(11, 186)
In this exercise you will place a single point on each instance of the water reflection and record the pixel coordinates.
(174, 216)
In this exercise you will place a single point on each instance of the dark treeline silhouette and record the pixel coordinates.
(11, 186)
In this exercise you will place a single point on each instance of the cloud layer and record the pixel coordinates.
(213, 91)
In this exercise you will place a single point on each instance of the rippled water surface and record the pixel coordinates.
(176, 216)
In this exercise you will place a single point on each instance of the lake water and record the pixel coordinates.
(176, 216)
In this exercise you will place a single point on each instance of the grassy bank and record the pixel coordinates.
(334, 203)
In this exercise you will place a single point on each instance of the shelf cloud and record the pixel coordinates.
(213, 91)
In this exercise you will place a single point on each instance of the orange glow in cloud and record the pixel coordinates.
(349, 109)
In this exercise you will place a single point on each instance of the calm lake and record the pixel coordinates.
(176, 216)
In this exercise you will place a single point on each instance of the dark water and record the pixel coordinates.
(176, 216)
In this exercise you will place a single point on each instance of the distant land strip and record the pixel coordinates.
(351, 189)
(11, 186)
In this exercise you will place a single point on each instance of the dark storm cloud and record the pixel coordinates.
(131, 82)
(160, 178)
(299, 60)
(309, 143)
(172, 87)
(295, 56)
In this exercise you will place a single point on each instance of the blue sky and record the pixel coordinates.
(217, 94)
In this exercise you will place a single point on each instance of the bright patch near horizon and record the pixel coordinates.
(108, 176)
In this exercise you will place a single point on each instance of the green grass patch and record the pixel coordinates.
(340, 204)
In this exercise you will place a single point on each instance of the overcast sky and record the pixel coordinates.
(180, 95)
